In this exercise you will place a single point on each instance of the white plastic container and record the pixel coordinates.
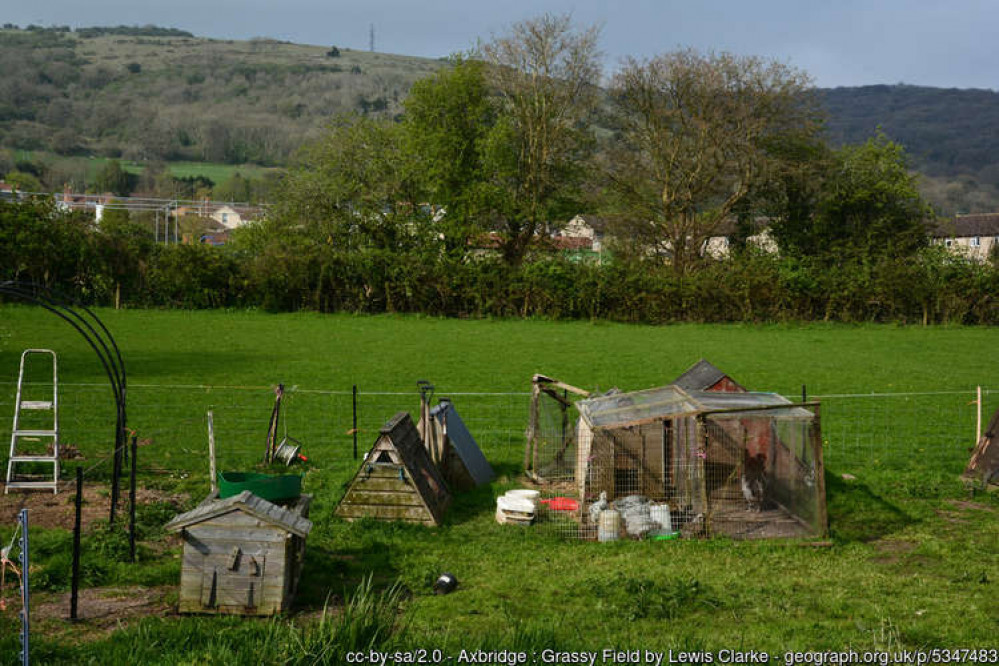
(660, 514)
(609, 525)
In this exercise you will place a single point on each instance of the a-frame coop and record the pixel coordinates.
(984, 464)
(397, 480)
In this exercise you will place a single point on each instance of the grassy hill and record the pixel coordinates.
(179, 98)
(153, 94)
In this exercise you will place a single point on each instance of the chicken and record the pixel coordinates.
(754, 481)
(597, 507)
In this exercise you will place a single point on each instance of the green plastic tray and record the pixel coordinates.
(271, 487)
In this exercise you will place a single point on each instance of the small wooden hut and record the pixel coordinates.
(242, 554)
(397, 480)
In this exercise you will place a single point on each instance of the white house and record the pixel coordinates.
(975, 236)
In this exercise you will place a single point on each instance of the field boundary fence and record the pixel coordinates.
(903, 430)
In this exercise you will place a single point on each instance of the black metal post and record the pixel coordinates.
(804, 394)
(354, 428)
(77, 526)
(115, 480)
(131, 501)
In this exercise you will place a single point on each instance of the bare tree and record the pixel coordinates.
(547, 73)
(695, 132)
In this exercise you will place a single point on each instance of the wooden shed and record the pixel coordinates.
(242, 554)
(397, 480)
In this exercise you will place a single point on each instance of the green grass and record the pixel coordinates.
(87, 168)
(911, 565)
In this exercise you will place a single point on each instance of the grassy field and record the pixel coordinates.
(87, 168)
(913, 558)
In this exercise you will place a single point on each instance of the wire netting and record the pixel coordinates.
(910, 437)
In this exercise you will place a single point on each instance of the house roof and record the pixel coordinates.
(967, 226)
(246, 502)
(700, 376)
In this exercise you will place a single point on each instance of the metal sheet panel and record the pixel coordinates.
(463, 443)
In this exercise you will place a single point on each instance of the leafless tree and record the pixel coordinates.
(696, 134)
(547, 72)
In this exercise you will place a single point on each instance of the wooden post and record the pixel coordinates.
(75, 584)
(978, 407)
(131, 501)
(354, 429)
(211, 453)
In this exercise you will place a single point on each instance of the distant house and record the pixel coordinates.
(227, 216)
(974, 236)
(719, 244)
(6, 191)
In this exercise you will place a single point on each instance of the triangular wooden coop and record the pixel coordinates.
(397, 480)
(452, 447)
(984, 464)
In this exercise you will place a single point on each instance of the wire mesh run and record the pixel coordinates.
(670, 463)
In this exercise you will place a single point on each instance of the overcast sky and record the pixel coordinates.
(946, 43)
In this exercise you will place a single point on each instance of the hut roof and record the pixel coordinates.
(637, 407)
(246, 502)
(701, 376)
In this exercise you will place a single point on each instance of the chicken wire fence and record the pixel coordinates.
(894, 431)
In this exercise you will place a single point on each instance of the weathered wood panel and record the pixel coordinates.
(358, 496)
(394, 485)
(385, 512)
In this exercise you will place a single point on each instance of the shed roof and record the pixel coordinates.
(700, 376)
(246, 502)
(636, 407)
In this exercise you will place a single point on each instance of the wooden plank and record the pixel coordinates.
(384, 512)
(358, 496)
(381, 471)
(233, 534)
(394, 485)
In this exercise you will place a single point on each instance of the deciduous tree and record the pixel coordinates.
(694, 138)
(546, 71)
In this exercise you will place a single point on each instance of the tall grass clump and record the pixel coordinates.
(368, 620)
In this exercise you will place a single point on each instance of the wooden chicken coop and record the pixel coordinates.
(242, 555)
(743, 464)
(397, 480)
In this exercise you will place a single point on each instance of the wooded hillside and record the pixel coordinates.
(158, 94)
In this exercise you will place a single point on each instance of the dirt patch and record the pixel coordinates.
(972, 506)
(48, 510)
(891, 550)
(101, 610)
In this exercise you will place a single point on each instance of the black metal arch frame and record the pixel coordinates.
(97, 335)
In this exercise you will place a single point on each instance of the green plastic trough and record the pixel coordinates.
(271, 487)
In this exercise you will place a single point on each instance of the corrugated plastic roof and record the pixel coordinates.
(623, 409)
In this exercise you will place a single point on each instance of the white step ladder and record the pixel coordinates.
(26, 443)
